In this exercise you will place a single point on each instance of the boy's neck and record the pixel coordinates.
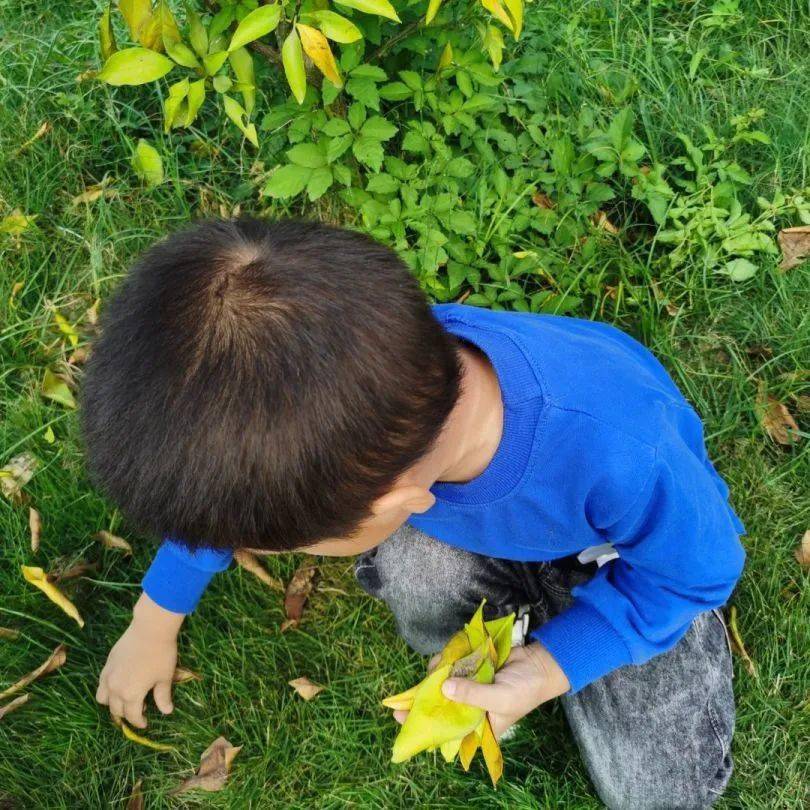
(473, 431)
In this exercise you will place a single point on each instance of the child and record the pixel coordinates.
(286, 387)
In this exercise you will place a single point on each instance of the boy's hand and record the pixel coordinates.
(529, 677)
(143, 659)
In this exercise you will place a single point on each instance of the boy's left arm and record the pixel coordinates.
(679, 555)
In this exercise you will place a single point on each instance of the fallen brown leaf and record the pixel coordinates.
(306, 688)
(44, 129)
(738, 644)
(9, 634)
(109, 540)
(542, 200)
(296, 595)
(14, 705)
(215, 765)
(250, 562)
(64, 572)
(778, 422)
(79, 357)
(795, 244)
(92, 194)
(803, 403)
(601, 221)
(135, 801)
(35, 526)
(55, 660)
(15, 475)
(183, 675)
(802, 552)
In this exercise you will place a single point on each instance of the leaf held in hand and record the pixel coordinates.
(55, 660)
(403, 701)
(112, 541)
(305, 688)
(38, 578)
(795, 244)
(492, 753)
(252, 564)
(14, 705)
(35, 528)
(297, 593)
(15, 475)
(215, 765)
(183, 675)
(56, 388)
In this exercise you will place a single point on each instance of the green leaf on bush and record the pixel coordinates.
(214, 61)
(222, 83)
(335, 127)
(255, 25)
(368, 151)
(395, 91)
(106, 37)
(365, 71)
(238, 115)
(195, 99)
(197, 35)
(740, 269)
(382, 8)
(432, 10)
(377, 127)
(334, 26)
(134, 66)
(319, 183)
(292, 57)
(337, 147)
(181, 53)
(309, 155)
(147, 164)
(364, 90)
(356, 115)
(382, 183)
(460, 167)
(172, 106)
(287, 182)
(242, 64)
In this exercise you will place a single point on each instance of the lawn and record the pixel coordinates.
(680, 67)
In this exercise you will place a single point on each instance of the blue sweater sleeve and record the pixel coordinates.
(679, 555)
(178, 576)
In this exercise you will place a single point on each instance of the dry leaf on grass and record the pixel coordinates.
(109, 540)
(15, 475)
(251, 563)
(133, 736)
(306, 688)
(802, 551)
(35, 527)
(54, 387)
(542, 200)
(777, 422)
(183, 675)
(92, 194)
(55, 660)
(37, 577)
(215, 765)
(135, 801)
(795, 244)
(14, 705)
(296, 595)
(601, 221)
(738, 644)
(9, 634)
(64, 572)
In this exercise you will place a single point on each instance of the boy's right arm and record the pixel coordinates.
(145, 657)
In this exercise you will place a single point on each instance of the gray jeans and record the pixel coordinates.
(652, 736)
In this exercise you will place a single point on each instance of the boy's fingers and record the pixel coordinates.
(116, 706)
(102, 694)
(133, 713)
(163, 696)
(484, 695)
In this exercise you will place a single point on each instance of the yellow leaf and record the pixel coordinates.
(16, 222)
(147, 164)
(403, 701)
(56, 389)
(499, 12)
(317, 49)
(145, 741)
(106, 37)
(500, 630)
(238, 115)
(250, 562)
(515, 9)
(493, 42)
(305, 688)
(169, 31)
(382, 8)
(93, 193)
(135, 13)
(55, 660)
(476, 631)
(446, 59)
(112, 541)
(183, 675)
(432, 10)
(173, 102)
(15, 475)
(292, 57)
(492, 753)
(66, 328)
(802, 551)
(457, 647)
(134, 66)
(451, 748)
(194, 100)
(38, 578)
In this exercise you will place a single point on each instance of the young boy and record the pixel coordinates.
(286, 387)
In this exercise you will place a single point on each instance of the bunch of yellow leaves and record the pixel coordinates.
(476, 652)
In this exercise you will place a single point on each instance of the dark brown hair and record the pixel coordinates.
(261, 384)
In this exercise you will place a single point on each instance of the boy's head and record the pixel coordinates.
(265, 385)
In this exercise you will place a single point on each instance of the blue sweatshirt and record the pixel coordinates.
(598, 446)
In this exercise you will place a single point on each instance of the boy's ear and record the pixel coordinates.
(410, 498)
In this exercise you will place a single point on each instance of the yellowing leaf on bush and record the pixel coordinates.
(134, 66)
(434, 721)
(135, 13)
(305, 688)
(215, 766)
(113, 541)
(242, 65)
(14, 705)
(515, 9)
(238, 115)
(106, 37)
(56, 388)
(499, 12)
(66, 328)
(35, 528)
(39, 579)
(382, 8)
(334, 26)
(317, 49)
(802, 552)
(147, 163)
(133, 736)
(292, 57)
(795, 244)
(432, 10)
(55, 660)
(446, 58)
(251, 563)
(15, 475)
(173, 112)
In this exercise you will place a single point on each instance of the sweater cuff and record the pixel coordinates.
(178, 576)
(584, 644)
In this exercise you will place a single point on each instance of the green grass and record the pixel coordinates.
(61, 751)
